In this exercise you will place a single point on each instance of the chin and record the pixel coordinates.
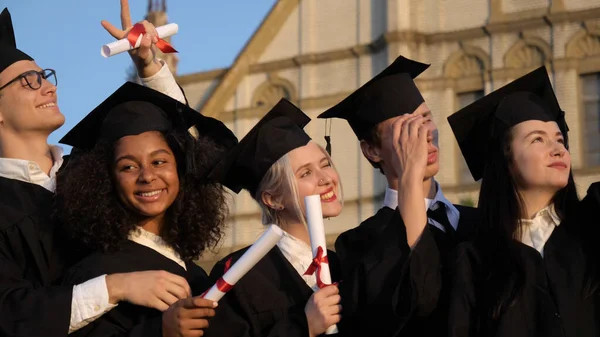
(432, 170)
(332, 211)
(150, 211)
(55, 123)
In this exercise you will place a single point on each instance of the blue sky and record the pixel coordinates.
(66, 35)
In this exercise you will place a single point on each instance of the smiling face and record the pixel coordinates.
(145, 173)
(540, 159)
(25, 110)
(314, 174)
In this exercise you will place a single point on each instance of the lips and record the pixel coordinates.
(432, 157)
(328, 196)
(149, 196)
(558, 165)
(47, 105)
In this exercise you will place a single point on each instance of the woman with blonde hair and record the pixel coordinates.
(279, 165)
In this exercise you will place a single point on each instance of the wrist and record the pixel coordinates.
(114, 285)
(146, 70)
(410, 179)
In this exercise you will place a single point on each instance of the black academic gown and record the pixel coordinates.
(30, 305)
(269, 301)
(127, 319)
(389, 290)
(553, 301)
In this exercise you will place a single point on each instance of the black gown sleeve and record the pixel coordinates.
(29, 308)
(389, 285)
(463, 320)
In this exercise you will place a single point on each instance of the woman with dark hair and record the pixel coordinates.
(279, 165)
(525, 274)
(137, 196)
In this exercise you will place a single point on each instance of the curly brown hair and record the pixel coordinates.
(93, 216)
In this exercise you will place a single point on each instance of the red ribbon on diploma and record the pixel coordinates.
(138, 29)
(221, 284)
(315, 266)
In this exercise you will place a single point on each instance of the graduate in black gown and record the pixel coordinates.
(33, 255)
(279, 165)
(525, 274)
(138, 197)
(392, 263)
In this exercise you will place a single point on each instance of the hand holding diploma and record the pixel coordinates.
(144, 56)
(320, 266)
(255, 253)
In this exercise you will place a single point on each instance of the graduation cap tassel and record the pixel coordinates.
(328, 136)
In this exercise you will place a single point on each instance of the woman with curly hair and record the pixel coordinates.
(137, 196)
(279, 165)
(526, 273)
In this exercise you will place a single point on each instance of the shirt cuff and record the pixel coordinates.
(164, 82)
(90, 301)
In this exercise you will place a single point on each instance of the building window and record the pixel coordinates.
(464, 99)
(590, 85)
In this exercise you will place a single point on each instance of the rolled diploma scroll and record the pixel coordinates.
(122, 45)
(255, 253)
(316, 231)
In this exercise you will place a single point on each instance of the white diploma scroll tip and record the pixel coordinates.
(123, 45)
(316, 231)
(249, 259)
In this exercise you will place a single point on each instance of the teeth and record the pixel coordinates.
(48, 105)
(149, 194)
(327, 195)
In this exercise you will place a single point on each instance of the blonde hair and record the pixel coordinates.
(278, 181)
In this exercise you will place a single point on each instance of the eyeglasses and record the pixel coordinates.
(34, 78)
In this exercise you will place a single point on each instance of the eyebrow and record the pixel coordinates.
(543, 133)
(308, 164)
(152, 154)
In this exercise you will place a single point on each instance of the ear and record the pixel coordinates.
(269, 200)
(370, 151)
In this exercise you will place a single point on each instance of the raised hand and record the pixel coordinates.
(409, 141)
(143, 57)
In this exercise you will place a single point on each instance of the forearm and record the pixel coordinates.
(411, 205)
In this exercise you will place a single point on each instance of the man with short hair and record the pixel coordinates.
(392, 262)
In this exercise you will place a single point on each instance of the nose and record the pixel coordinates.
(147, 175)
(558, 150)
(324, 178)
(48, 87)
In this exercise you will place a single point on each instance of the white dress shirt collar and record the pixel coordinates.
(299, 254)
(30, 172)
(537, 231)
(156, 243)
(391, 200)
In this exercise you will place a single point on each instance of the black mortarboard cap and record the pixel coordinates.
(389, 94)
(277, 133)
(134, 109)
(9, 53)
(481, 124)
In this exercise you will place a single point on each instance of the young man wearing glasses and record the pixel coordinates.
(32, 255)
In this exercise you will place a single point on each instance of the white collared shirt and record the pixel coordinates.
(537, 231)
(30, 172)
(299, 254)
(391, 200)
(156, 243)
